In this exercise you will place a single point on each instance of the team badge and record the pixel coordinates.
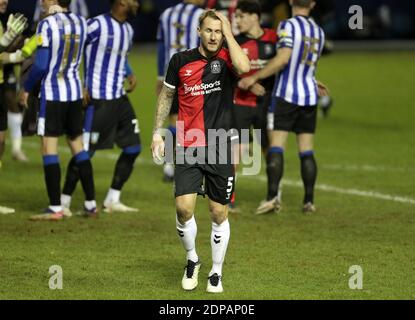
(283, 34)
(215, 67)
(268, 49)
(39, 40)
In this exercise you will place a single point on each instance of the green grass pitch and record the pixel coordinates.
(365, 199)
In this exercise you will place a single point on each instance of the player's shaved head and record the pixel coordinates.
(302, 3)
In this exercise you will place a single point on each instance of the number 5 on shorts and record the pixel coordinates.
(230, 187)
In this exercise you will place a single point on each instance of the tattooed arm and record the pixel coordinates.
(164, 103)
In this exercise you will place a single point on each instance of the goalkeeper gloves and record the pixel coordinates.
(16, 24)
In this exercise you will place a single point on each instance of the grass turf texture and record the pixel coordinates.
(366, 144)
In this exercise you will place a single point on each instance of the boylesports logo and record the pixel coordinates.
(202, 89)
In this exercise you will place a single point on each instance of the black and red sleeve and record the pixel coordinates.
(226, 56)
(172, 75)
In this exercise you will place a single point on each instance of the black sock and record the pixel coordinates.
(124, 166)
(308, 174)
(275, 169)
(52, 171)
(83, 162)
(72, 178)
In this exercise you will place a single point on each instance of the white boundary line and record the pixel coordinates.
(354, 192)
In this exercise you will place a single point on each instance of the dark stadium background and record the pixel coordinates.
(384, 19)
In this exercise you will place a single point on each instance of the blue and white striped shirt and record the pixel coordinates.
(78, 7)
(296, 83)
(64, 34)
(108, 44)
(177, 31)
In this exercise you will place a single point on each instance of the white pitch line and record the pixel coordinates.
(354, 192)
(364, 167)
(287, 182)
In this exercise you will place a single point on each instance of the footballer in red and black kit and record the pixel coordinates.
(204, 88)
(250, 109)
(204, 80)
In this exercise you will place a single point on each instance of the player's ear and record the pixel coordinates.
(313, 4)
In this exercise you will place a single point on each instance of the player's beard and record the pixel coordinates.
(209, 50)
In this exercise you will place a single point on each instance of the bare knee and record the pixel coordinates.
(184, 213)
(218, 214)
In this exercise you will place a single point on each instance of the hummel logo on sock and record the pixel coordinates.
(181, 234)
(216, 239)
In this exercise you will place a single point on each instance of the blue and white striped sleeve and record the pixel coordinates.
(44, 34)
(322, 40)
(285, 35)
(94, 30)
(131, 35)
(161, 52)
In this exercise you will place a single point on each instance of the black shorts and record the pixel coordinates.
(246, 117)
(292, 118)
(113, 121)
(3, 110)
(218, 176)
(58, 118)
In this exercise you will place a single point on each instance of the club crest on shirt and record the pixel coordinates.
(268, 49)
(215, 67)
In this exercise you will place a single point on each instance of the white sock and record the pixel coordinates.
(15, 121)
(219, 241)
(89, 205)
(16, 145)
(112, 196)
(66, 200)
(187, 233)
